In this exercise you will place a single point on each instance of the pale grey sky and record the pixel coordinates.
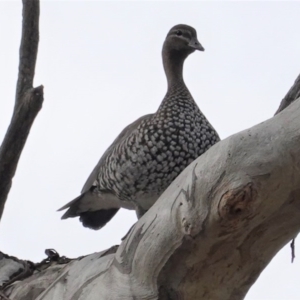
(101, 67)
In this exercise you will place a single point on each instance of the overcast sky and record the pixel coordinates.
(100, 64)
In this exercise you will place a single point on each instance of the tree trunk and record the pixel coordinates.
(209, 236)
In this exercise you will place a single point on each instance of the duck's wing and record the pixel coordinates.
(96, 209)
(123, 135)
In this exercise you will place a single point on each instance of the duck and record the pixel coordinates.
(152, 151)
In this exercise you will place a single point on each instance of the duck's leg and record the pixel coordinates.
(140, 212)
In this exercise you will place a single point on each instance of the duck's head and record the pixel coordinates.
(182, 40)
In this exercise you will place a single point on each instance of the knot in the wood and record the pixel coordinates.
(34, 97)
(187, 226)
(237, 204)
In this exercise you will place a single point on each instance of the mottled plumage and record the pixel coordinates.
(151, 152)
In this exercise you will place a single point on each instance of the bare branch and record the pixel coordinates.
(28, 100)
(29, 47)
(291, 96)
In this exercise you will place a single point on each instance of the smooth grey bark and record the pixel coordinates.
(209, 236)
(28, 100)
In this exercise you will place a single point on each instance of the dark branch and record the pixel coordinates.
(29, 47)
(291, 96)
(28, 100)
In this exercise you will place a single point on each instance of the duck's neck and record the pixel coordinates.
(173, 65)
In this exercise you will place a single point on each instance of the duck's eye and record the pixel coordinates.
(178, 32)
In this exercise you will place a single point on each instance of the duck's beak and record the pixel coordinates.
(194, 43)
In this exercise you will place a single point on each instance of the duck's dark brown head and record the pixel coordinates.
(182, 40)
